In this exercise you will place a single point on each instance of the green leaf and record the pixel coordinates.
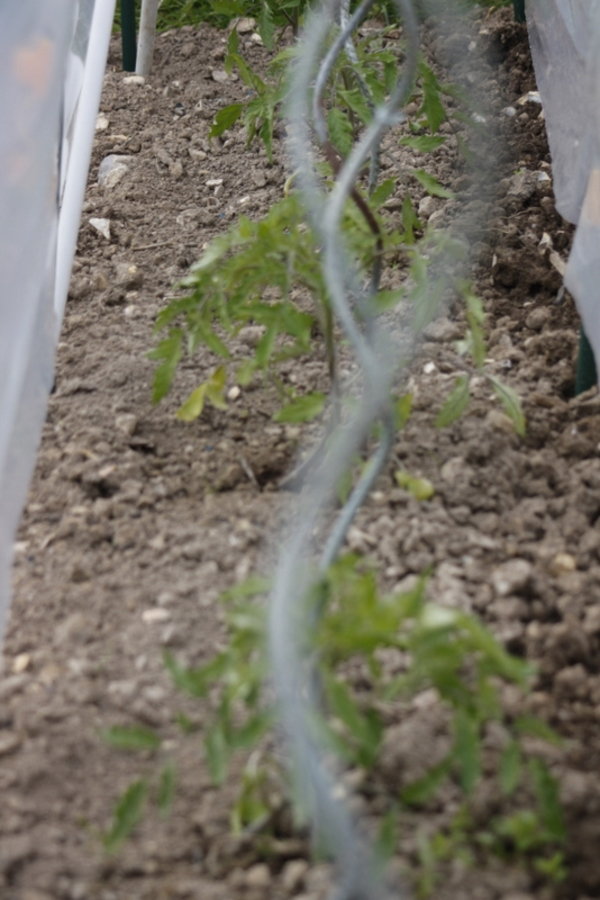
(196, 682)
(388, 836)
(410, 220)
(420, 791)
(215, 388)
(194, 405)
(547, 794)
(340, 131)
(247, 74)
(357, 103)
(266, 25)
(534, 727)
(552, 867)
(303, 409)
(423, 143)
(523, 829)
(402, 410)
(169, 351)
(467, 749)
(253, 586)
(382, 193)
(476, 321)
(510, 768)
(226, 118)
(133, 737)
(432, 104)
(166, 789)
(215, 251)
(432, 185)
(421, 488)
(456, 403)
(364, 727)
(127, 814)
(217, 750)
(511, 403)
(211, 390)
(248, 734)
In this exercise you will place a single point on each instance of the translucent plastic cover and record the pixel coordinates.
(45, 57)
(564, 37)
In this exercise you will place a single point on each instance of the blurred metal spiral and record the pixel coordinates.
(307, 549)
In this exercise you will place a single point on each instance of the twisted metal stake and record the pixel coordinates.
(290, 628)
(287, 624)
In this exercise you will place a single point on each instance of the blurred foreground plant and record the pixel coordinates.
(433, 648)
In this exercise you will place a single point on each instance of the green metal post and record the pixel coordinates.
(128, 41)
(519, 7)
(586, 375)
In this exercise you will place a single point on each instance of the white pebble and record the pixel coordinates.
(158, 614)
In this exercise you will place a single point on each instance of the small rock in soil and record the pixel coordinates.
(15, 849)
(258, 877)
(512, 577)
(9, 742)
(245, 25)
(294, 874)
(112, 169)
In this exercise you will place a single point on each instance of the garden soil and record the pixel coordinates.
(137, 521)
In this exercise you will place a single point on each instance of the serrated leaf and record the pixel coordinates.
(226, 118)
(476, 321)
(250, 733)
(456, 403)
(510, 768)
(425, 143)
(215, 251)
(387, 836)
(127, 814)
(402, 410)
(302, 409)
(547, 794)
(266, 25)
(432, 104)
(215, 388)
(511, 404)
(410, 220)
(247, 74)
(252, 586)
(382, 193)
(534, 727)
(194, 405)
(340, 131)
(166, 789)
(133, 737)
(196, 682)
(357, 103)
(421, 790)
(421, 488)
(211, 390)
(217, 753)
(388, 299)
(432, 185)
(169, 351)
(364, 727)
(467, 750)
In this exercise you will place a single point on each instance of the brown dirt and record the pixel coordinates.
(136, 521)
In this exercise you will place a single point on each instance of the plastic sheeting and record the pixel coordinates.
(52, 58)
(564, 37)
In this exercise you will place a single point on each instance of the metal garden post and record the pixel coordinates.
(519, 7)
(128, 34)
